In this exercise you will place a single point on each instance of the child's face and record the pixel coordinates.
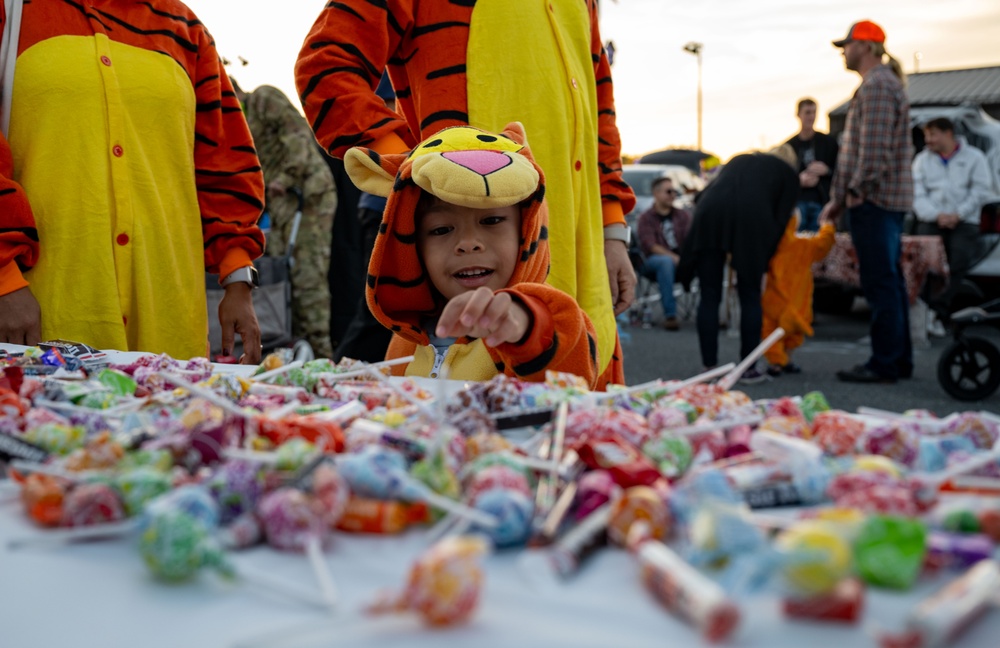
(464, 248)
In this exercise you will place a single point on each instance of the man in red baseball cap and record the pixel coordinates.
(865, 30)
(874, 183)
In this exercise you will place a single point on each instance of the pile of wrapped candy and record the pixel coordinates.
(715, 495)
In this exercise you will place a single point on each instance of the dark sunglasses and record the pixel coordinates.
(671, 191)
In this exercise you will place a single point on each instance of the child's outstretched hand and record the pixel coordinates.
(481, 313)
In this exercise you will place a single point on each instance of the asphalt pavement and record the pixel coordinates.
(840, 342)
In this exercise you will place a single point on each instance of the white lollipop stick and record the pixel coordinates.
(974, 462)
(265, 581)
(118, 411)
(366, 368)
(702, 377)
(701, 428)
(929, 425)
(274, 373)
(451, 506)
(730, 379)
(322, 571)
(206, 394)
(66, 536)
(556, 455)
(423, 406)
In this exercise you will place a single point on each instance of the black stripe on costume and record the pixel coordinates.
(317, 78)
(448, 71)
(354, 139)
(29, 232)
(592, 343)
(206, 80)
(324, 110)
(443, 115)
(349, 48)
(603, 80)
(239, 195)
(463, 3)
(231, 109)
(603, 142)
(190, 22)
(401, 62)
(541, 361)
(8, 190)
(404, 93)
(244, 149)
(405, 239)
(526, 254)
(79, 7)
(543, 234)
(428, 29)
(345, 8)
(183, 42)
(500, 366)
(204, 140)
(607, 197)
(394, 281)
(208, 107)
(607, 111)
(226, 174)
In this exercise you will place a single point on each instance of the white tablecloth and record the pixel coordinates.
(99, 594)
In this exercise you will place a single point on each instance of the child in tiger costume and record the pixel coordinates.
(458, 269)
(486, 63)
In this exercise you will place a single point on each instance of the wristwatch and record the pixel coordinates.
(621, 233)
(246, 274)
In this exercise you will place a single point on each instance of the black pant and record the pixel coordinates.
(961, 245)
(365, 339)
(710, 267)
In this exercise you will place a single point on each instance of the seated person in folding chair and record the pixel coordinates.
(662, 229)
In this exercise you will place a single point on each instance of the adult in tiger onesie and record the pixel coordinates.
(127, 172)
(452, 63)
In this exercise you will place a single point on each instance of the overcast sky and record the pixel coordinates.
(759, 57)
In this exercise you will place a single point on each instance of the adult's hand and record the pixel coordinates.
(620, 274)
(236, 315)
(808, 179)
(20, 318)
(947, 221)
(854, 201)
(831, 212)
(818, 168)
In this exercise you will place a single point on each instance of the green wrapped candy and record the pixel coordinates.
(889, 551)
(57, 438)
(293, 454)
(433, 471)
(963, 521)
(120, 383)
(98, 400)
(812, 404)
(671, 453)
(160, 460)
(175, 545)
(140, 485)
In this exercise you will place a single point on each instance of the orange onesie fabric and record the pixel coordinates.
(787, 299)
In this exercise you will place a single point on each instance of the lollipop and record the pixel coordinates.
(594, 489)
(513, 509)
(175, 545)
(236, 487)
(639, 504)
(822, 557)
(140, 485)
(444, 583)
(92, 504)
(836, 432)
(290, 518)
(43, 498)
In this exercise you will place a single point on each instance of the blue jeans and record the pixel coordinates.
(809, 212)
(661, 268)
(876, 234)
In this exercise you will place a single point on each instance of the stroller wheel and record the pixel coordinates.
(969, 369)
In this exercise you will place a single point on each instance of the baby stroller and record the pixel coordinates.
(969, 369)
(272, 300)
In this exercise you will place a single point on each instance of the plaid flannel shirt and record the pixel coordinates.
(876, 151)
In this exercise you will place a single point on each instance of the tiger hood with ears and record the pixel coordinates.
(469, 167)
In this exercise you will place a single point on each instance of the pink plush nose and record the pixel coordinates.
(482, 162)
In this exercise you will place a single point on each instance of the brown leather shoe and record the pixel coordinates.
(672, 324)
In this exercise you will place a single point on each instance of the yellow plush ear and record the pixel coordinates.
(371, 172)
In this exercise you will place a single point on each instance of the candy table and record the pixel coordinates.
(100, 594)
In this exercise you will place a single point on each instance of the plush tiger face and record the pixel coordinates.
(461, 165)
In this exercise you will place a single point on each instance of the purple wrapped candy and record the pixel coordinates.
(961, 456)
(594, 490)
(957, 550)
(897, 442)
(291, 518)
(236, 486)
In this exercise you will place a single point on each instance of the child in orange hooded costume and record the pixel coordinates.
(788, 293)
(459, 264)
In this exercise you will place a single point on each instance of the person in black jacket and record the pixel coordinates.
(817, 158)
(742, 213)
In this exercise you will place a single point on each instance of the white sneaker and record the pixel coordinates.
(935, 328)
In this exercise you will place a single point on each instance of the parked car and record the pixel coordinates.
(641, 176)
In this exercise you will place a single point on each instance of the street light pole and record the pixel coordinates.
(695, 48)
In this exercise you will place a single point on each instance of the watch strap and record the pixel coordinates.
(621, 233)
